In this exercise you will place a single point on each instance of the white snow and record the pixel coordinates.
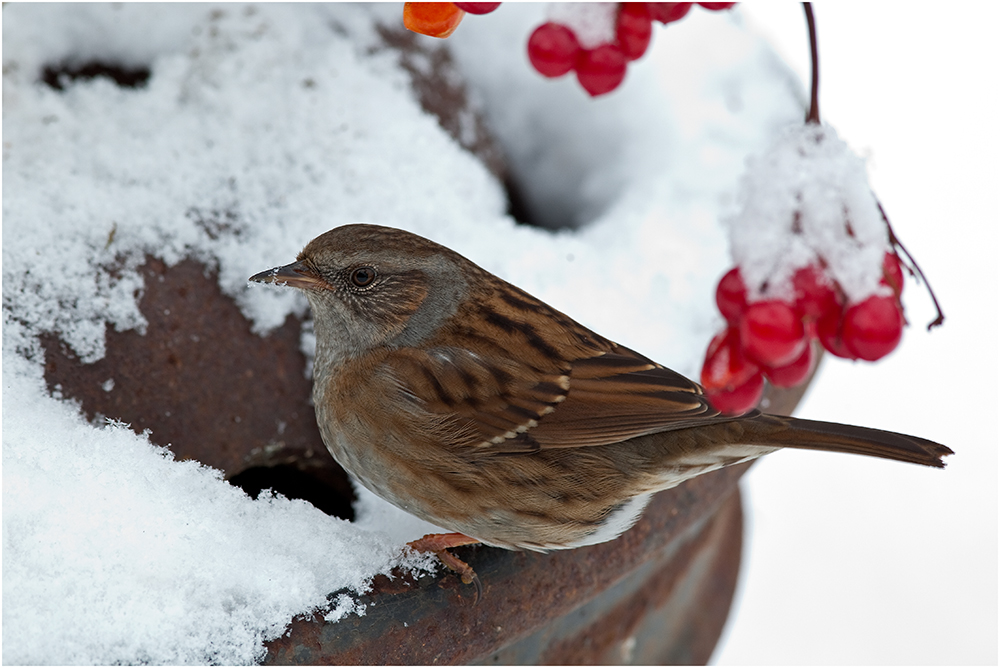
(593, 23)
(279, 121)
(806, 201)
(115, 553)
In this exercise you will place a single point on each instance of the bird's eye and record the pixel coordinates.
(363, 276)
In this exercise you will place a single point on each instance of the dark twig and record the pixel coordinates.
(914, 270)
(813, 116)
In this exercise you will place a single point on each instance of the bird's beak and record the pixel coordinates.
(296, 274)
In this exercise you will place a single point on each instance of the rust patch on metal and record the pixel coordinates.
(676, 614)
(202, 382)
(441, 90)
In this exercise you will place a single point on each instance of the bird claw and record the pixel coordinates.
(464, 571)
(438, 544)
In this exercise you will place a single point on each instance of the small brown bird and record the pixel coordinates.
(469, 403)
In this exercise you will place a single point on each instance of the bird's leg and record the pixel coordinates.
(438, 543)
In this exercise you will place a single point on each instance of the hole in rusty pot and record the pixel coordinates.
(294, 483)
(517, 206)
(57, 76)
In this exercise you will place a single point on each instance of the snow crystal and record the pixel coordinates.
(806, 200)
(593, 23)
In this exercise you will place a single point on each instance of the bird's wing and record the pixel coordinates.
(619, 395)
(501, 404)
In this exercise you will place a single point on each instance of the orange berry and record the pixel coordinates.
(437, 19)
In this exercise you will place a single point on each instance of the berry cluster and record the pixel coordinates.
(772, 338)
(554, 49)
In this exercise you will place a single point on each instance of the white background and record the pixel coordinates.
(856, 561)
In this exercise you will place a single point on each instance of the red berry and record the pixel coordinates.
(437, 19)
(892, 272)
(772, 333)
(553, 49)
(600, 70)
(477, 7)
(740, 399)
(634, 29)
(792, 374)
(814, 296)
(717, 6)
(828, 331)
(668, 12)
(873, 328)
(725, 366)
(731, 296)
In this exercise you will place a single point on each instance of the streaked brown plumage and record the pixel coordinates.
(469, 403)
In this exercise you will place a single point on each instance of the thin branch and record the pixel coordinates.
(813, 116)
(915, 270)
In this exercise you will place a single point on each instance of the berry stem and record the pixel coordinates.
(914, 269)
(813, 116)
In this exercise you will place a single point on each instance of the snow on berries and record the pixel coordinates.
(813, 262)
(806, 201)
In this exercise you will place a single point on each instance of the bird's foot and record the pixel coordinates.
(438, 543)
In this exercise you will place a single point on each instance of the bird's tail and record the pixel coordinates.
(792, 432)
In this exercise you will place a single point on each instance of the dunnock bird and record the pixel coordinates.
(469, 403)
